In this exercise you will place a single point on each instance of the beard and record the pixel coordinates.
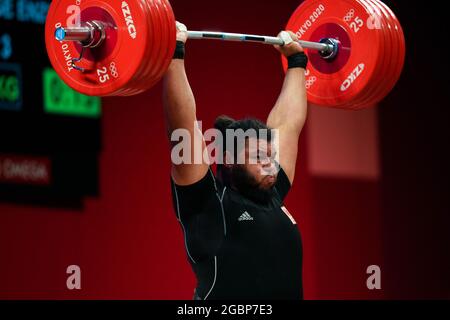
(249, 187)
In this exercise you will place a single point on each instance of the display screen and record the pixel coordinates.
(49, 134)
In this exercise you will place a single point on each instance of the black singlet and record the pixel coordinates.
(237, 248)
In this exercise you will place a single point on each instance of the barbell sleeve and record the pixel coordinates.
(91, 35)
(80, 34)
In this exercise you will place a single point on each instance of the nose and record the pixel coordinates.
(269, 168)
(266, 162)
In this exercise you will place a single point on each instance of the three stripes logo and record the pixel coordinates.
(245, 217)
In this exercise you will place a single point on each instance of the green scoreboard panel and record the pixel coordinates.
(50, 135)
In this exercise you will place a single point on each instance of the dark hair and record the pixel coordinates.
(224, 123)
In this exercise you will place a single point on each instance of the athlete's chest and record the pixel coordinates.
(258, 223)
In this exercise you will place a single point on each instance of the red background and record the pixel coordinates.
(129, 244)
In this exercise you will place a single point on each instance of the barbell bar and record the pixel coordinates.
(86, 35)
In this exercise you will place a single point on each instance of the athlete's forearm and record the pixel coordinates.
(290, 110)
(179, 101)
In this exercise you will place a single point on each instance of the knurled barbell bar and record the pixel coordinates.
(87, 36)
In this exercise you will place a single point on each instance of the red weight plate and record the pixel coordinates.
(168, 42)
(154, 58)
(173, 30)
(131, 87)
(378, 34)
(337, 83)
(378, 84)
(149, 57)
(159, 24)
(111, 66)
(156, 62)
(171, 36)
(395, 54)
(391, 54)
(400, 45)
(152, 53)
(371, 87)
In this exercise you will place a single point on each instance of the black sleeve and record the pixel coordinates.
(283, 184)
(192, 199)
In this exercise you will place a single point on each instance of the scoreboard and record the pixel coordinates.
(50, 135)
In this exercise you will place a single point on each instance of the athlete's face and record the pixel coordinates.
(257, 177)
(260, 163)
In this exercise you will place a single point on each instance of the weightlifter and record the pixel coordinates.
(240, 240)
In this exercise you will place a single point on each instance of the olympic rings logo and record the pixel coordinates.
(113, 70)
(350, 15)
(310, 82)
(373, 21)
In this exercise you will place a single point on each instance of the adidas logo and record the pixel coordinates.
(245, 217)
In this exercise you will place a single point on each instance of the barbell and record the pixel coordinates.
(356, 48)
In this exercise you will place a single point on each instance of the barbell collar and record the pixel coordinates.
(335, 44)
